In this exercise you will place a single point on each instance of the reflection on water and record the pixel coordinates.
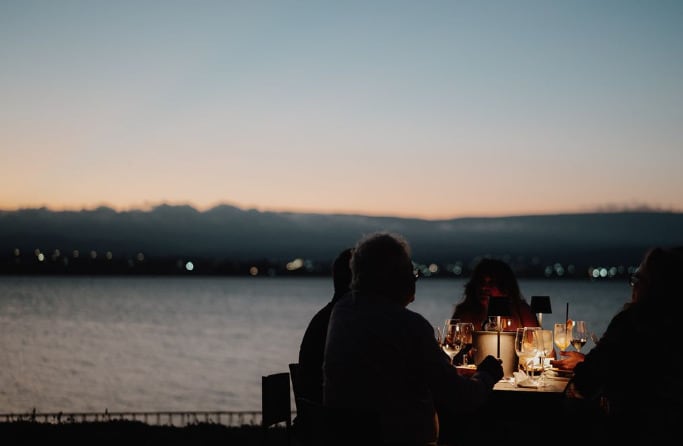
(156, 344)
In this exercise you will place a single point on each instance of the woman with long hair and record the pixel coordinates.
(493, 279)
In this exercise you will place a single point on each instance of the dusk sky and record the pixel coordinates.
(431, 109)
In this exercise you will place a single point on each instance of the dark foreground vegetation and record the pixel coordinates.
(126, 433)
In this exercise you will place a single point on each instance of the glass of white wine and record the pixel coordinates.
(579, 336)
(451, 342)
(561, 336)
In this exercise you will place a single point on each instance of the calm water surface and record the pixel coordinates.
(191, 344)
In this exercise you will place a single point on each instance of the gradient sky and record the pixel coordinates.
(431, 109)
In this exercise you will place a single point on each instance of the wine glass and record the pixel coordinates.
(451, 342)
(580, 336)
(532, 349)
(526, 348)
(519, 340)
(491, 324)
(562, 336)
(441, 332)
(465, 330)
(545, 347)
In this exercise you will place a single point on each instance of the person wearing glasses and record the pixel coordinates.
(628, 377)
(384, 359)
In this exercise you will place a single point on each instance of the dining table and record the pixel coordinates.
(513, 410)
(514, 405)
(551, 385)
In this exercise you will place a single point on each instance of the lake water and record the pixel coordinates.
(88, 344)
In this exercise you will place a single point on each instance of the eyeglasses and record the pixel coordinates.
(633, 280)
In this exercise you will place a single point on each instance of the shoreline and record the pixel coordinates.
(117, 432)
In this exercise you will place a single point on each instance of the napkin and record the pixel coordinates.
(522, 380)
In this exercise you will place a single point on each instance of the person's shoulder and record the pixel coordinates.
(416, 318)
(412, 314)
(342, 307)
(320, 319)
(624, 315)
(620, 326)
(323, 313)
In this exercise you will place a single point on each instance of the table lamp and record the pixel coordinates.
(499, 306)
(540, 305)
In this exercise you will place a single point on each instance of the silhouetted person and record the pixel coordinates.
(310, 375)
(382, 358)
(491, 279)
(629, 376)
(313, 343)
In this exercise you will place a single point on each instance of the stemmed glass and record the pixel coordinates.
(562, 336)
(465, 330)
(526, 348)
(451, 342)
(545, 348)
(519, 343)
(580, 337)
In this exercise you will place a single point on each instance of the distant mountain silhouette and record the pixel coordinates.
(227, 232)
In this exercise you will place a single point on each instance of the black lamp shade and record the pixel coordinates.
(499, 306)
(541, 304)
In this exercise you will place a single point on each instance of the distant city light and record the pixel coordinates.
(459, 268)
(454, 268)
(295, 264)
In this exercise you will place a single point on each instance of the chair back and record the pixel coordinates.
(294, 375)
(276, 402)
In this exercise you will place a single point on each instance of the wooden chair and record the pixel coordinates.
(276, 404)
